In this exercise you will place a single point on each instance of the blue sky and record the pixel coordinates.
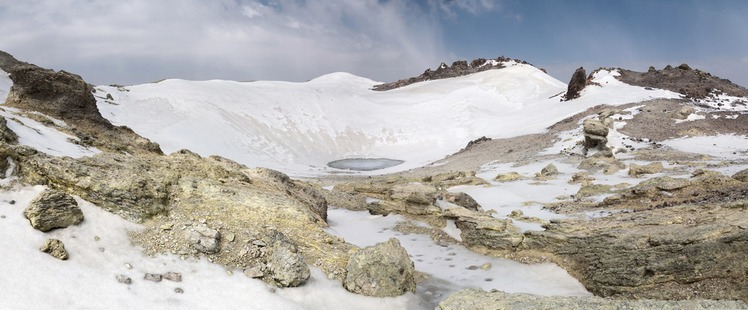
(138, 41)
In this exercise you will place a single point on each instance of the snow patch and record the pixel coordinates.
(5, 84)
(44, 139)
(719, 146)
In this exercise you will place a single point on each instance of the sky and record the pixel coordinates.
(140, 41)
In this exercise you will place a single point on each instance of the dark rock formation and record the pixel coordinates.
(382, 270)
(67, 97)
(474, 143)
(55, 248)
(683, 79)
(577, 83)
(53, 209)
(7, 61)
(458, 68)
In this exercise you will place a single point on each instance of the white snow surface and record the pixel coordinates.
(43, 138)
(5, 84)
(719, 146)
(299, 127)
(453, 266)
(35, 280)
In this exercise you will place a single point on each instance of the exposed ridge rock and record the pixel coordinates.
(683, 79)
(458, 68)
(7, 61)
(66, 96)
(576, 84)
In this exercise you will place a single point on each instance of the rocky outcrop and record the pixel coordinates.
(651, 168)
(7, 61)
(186, 202)
(682, 79)
(481, 230)
(678, 239)
(741, 175)
(595, 134)
(53, 209)
(461, 199)
(287, 266)
(66, 96)
(382, 270)
(55, 248)
(480, 299)
(548, 171)
(508, 177)
(7, 135)
(204, 239)
(576, 84)
(458, 68)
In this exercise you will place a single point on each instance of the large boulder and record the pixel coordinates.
(576, 84)
(286, 264)
(53, 209)
(382, 270)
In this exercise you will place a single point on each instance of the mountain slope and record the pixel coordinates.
(300, 127)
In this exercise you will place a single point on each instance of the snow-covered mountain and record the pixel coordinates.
(299, 127)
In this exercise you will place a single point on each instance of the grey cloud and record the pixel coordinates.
(289, 40)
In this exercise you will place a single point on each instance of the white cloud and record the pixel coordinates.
(111, 41)
(475, 7)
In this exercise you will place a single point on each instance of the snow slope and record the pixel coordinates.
(299, 127)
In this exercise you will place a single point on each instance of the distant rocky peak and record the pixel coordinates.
(458, 68)
(693, 83)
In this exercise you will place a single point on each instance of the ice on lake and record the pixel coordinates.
(364, 164)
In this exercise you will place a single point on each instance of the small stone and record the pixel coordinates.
(179, 290)
(124, 279)
(230, 237)
(168, 226)
(173, 276)
(254, 272)
(472, 267)
(229, 273)
(155, 277)
(2, 216)
(96, 238)
(101, 249)
(259, 243)
(55, 248)
(486, 266)
(128, 266)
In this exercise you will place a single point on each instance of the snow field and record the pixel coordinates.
(299, 127)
